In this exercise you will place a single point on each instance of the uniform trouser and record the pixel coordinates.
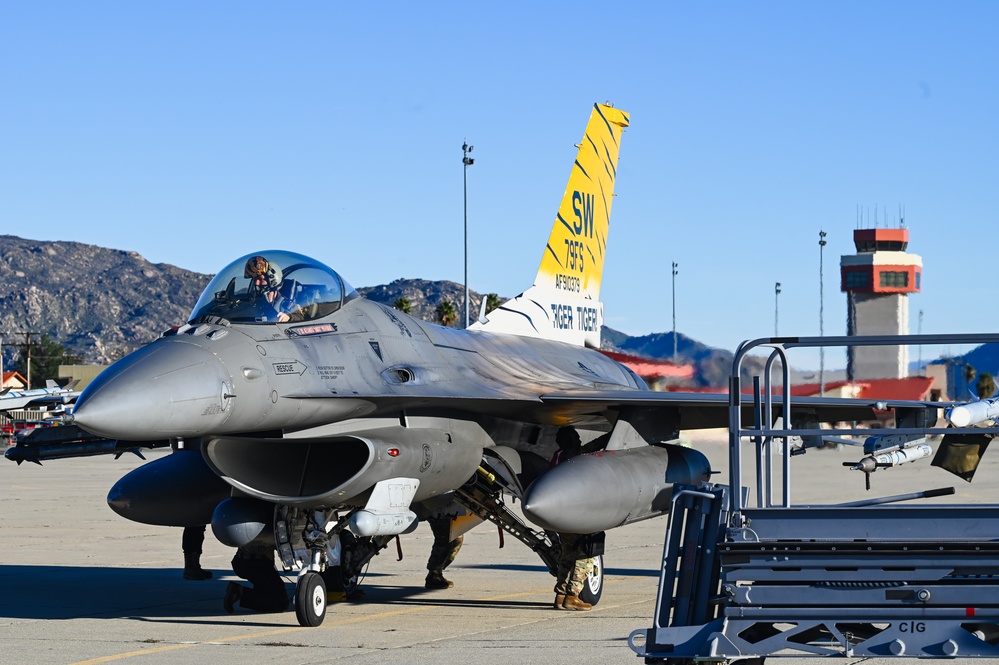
(444, 550)
(573, 565)
(268, 593)
(193, 540)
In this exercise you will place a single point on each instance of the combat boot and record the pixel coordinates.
(193, 569)
(197, 574)
(436, 580)
(559, 599)
(233, 593)
(574, 603)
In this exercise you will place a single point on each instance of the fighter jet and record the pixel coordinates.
(51, 395)
(310, 418)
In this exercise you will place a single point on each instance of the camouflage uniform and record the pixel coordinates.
(443, 551)
(573, 566)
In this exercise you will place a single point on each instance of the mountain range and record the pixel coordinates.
(104, 303)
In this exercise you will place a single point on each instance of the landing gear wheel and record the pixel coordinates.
(344, 577)
(593, 587)
(310, 600)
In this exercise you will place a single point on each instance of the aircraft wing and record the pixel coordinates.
(710, 410)
(690, 410)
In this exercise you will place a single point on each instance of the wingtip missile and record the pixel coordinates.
(973, 413)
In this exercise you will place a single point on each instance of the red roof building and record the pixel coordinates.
(14, 381)
(919, 388)
(653, 370)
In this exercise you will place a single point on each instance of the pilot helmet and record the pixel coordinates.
(258, 266)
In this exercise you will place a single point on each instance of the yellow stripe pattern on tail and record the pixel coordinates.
(563, 304)
(573, 261)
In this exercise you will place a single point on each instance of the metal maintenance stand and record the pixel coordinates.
(866, 579)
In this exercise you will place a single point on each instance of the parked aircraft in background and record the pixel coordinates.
(52, 395)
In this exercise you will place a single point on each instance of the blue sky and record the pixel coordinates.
(193, 133)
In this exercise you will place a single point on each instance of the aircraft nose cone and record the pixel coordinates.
(167, 389)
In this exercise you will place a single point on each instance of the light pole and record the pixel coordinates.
(675, 264)
(776, 294)
(822, 349)
(919, 331)
(467, 161)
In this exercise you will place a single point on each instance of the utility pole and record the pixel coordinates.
(674, 309)
(467, 161)
(27, 346)
(776, 294)
(822, 349)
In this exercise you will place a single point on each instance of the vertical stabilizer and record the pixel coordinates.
(564, 302)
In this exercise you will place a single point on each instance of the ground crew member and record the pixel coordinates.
(573, 564)
(442, 553)
(192, 542)
(255, 564)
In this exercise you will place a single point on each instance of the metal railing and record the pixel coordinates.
(763, 433)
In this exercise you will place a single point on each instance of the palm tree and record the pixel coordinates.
(969, 375)
(403, 305)
(986, 386)
(446, 313)
(492, 302)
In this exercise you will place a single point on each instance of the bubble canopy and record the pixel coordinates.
(270, 287)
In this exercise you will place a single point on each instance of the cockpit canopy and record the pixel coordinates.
(272, 286)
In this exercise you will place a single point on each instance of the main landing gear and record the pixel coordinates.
(327, 557)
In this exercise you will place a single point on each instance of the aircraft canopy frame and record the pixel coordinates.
(302, 289)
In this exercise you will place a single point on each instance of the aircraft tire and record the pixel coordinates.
(593, 587)
(310, 600)
(344, 577)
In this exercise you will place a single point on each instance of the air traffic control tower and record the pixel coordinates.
(877, 281)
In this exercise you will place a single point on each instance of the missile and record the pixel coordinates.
(871, 463)
(888, 451)
(48, 443)
(973, 413)
(49, 451)
(599, 491)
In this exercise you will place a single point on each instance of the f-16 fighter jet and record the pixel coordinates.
(325, 424)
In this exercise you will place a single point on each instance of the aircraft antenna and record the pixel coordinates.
(467, 161)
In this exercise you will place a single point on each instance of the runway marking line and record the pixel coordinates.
(290, 629)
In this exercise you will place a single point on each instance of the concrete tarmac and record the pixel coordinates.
(80, 585)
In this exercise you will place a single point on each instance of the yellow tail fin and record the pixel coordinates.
(564, 302)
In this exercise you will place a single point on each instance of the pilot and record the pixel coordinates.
(573, 564)
(267, 280)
